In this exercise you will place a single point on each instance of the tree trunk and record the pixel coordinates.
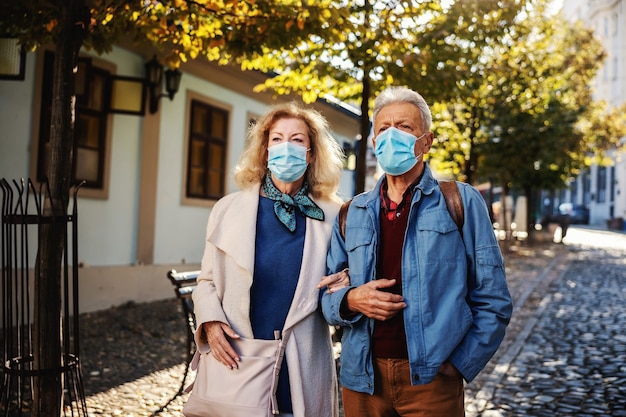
(47, 339)
(530, 210)
(361, 159)
(472, 161)
(505, 243)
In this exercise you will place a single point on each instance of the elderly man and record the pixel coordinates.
(428, 302)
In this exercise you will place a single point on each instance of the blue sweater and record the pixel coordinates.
(276, 270)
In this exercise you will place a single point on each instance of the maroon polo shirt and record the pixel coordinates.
(389, 338)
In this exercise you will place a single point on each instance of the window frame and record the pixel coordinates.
(601, 184)
(586, 184)
(104, 157)
(191, 99)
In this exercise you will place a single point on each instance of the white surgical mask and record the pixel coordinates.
(287, 161)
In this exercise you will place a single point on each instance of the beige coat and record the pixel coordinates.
(223, 294)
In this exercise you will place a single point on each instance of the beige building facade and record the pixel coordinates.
(603, 189)
(153, 176)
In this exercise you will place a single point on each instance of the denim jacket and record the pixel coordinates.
(454, 285)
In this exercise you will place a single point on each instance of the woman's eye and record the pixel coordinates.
(276, 139)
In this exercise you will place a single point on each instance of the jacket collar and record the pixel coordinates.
(427, 185)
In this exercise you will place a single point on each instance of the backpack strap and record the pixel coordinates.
(454, 202)
(343, 213)
(450, 192)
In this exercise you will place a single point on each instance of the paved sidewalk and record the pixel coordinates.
(133, 356)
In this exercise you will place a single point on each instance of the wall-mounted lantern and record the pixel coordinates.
(154, 77)
(12, 59)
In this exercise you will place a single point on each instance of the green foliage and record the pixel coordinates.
(542, 91)
(222, 30)
(430, 46)
(509, 84)
(425, 45)
(527, 117)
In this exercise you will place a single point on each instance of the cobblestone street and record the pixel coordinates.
(574, 361)
(564, 353)
(572, 358)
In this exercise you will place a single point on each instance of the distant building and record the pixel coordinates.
(603, 189)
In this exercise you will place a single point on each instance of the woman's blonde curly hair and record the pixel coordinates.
(323, 173)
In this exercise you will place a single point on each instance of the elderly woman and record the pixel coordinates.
(265, 254)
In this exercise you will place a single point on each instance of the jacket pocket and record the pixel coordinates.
(490, 267)
(436, 221)
(357, 237)
(355, 351)
(360, 247)
(439, 238)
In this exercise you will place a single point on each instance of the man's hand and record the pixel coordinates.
(368, 299)
(449, 370)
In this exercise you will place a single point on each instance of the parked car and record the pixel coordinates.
(577, 213)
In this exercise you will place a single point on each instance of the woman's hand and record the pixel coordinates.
(215, 333)
(336, 281)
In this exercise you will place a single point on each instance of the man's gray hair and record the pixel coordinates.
(392, 95)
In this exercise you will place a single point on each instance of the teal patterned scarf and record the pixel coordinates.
(285, 205)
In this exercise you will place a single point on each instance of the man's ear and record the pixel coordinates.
(428, 142)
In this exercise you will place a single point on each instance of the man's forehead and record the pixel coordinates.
(398, 112)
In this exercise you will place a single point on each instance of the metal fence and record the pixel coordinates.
(23, 377)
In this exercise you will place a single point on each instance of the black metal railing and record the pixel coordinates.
(22, 220)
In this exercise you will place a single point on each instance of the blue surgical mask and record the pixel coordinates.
(395, 151)
(287, 161)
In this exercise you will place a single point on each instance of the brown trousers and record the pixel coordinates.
(395, 396)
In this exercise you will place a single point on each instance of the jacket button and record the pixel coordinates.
(416, 377)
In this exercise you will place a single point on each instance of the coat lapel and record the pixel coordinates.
(235, 234)
(313, 265)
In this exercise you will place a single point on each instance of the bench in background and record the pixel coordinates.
(184, 284)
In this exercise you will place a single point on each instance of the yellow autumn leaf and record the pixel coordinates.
(51, 25)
